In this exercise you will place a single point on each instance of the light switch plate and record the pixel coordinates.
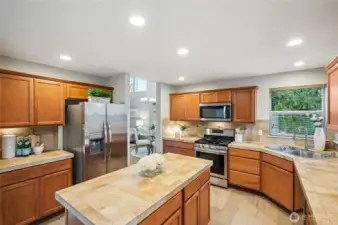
(260, 132)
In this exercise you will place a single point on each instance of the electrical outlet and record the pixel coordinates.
(260, 132)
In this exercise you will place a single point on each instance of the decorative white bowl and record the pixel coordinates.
(38, 150)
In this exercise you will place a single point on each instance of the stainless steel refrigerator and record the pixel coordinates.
(97, 135)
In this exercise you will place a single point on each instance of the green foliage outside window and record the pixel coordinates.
(284, 102)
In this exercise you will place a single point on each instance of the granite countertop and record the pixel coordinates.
(319, 179)
(123, 197)
(16, 163)
(181, 139)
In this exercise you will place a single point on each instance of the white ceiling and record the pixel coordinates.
(226, 38)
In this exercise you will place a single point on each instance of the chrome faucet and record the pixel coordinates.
(297, 130)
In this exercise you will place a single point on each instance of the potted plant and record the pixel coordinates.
(96, 95)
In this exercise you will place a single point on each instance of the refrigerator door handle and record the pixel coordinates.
(106, 141)
(110, 142)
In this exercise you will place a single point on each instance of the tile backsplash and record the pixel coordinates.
(196, 129)
(48, 134)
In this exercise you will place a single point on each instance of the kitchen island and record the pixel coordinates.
(181, 194)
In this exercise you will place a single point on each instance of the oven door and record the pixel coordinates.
(219, 159)
(215, 112)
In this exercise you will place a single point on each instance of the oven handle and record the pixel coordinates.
(211, 151)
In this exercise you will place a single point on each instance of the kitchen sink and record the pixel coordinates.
(300, 152)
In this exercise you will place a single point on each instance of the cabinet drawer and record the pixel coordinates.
(244, 165)
(165, 211)
(33, 172)
(244, 153)
(195, 185)
(244, 180)
(179, 144)
(281, 163)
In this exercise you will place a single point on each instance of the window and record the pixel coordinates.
(292, 107)
(137, 84)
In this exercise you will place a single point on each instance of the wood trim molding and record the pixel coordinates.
(332, 64)
(12, 72)
(298, 87)
(215, 90)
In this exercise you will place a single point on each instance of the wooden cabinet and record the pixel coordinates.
(204, 204)
(192, 107)
(175, 219)
(246, 165)
(332, 76)
(29, 194)
(208, 97)
(184, 107)
(278, 185)
(16, 101)
(243, 105)
(76, 91)
(19, 203)
(177, 147)
(177, 107)
(298, 197)
(49, 102)
(191, 210)
(48, 186)
(245, 180)
(215, 96)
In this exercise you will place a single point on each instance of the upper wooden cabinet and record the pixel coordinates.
(184, 106)
(332, 76)
(177, 107)
(215, 96)
(16, 101)
(192, 106)
(76, 91)
(49, 102)
(243, 105)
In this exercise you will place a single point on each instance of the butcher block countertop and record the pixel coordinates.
(17, 163)
(319, 180)
(123, 197)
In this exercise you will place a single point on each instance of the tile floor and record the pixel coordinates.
(230, 207)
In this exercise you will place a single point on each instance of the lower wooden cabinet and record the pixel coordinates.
(245, 180)
(204, 204)
(175, 219)
(191, 210)
(19, 203)
(48, 186)
(177, 147)
(278, 185)
(28, 200)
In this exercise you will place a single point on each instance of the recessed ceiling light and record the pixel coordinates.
(299, 63)
(294, 42)
(65, 57)
(181, 78)
(182, 51)
(137, 21)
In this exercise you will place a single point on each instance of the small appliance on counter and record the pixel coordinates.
(8, 146)
(214, 146)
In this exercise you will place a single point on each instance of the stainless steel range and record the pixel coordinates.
(214, 146)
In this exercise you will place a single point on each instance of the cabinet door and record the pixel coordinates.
(298, 194)
(19, 203)
(224, 96)
(191, 210)
(332, 101)
(48, 186)
(208, 97)
(175, 219)
(192, 106)
(16, 101)
(278, 185)
(49, 102)
(75, 91)
(243, 103)
(177, 107)
(204, 204)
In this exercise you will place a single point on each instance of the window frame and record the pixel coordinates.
(323, 110)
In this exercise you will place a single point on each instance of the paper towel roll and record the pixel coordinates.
(8, 146)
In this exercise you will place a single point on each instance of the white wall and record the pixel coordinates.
(264, 83)
(121, 91)
(162, 110)
(48, 71)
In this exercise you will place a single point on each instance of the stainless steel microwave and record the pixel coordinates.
(216, 112)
